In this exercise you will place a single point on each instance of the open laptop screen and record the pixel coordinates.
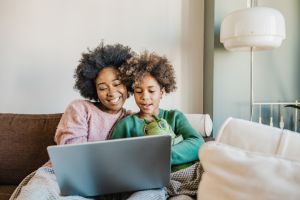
(112, 166)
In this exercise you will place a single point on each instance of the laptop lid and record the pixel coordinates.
(112, 166)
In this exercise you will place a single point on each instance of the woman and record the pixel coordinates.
(97, 79)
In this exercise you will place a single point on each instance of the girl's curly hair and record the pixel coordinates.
(94, 61)
(148, 63)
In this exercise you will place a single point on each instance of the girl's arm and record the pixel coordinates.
(187, 150)
(130, 126)
(119, 130)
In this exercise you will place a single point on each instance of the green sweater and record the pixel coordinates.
(183, 152)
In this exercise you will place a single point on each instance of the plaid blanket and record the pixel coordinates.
(42, 185)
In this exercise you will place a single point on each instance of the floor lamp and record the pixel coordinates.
(252, 29)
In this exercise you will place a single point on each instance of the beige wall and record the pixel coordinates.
(41, 42)
(275, 73)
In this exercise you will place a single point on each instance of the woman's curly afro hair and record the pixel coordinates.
(92, 62)
(148, 63)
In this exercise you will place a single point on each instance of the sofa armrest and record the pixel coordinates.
(249, 160)
(201, 122)
(256, 137)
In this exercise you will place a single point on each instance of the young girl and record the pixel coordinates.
(149, 77)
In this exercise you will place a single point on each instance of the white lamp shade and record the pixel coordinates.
(262, 28)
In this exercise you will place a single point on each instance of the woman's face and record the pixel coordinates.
(147, 95)
(111, 92)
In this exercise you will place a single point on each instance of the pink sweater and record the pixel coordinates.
(84, 122)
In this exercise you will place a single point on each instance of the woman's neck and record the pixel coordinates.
(104, 109)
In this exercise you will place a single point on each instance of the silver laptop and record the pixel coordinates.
(112, 166)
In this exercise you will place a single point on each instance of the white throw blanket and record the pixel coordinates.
(42, 185)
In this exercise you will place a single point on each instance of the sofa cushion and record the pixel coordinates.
(232, 173)
(251, 161)
(261, 138)
(23, 142)
(6, 191)
(201, 123)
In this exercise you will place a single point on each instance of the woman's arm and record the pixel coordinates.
(73, 126)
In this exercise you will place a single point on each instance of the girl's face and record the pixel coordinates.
(111, 92)
(147, 95)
